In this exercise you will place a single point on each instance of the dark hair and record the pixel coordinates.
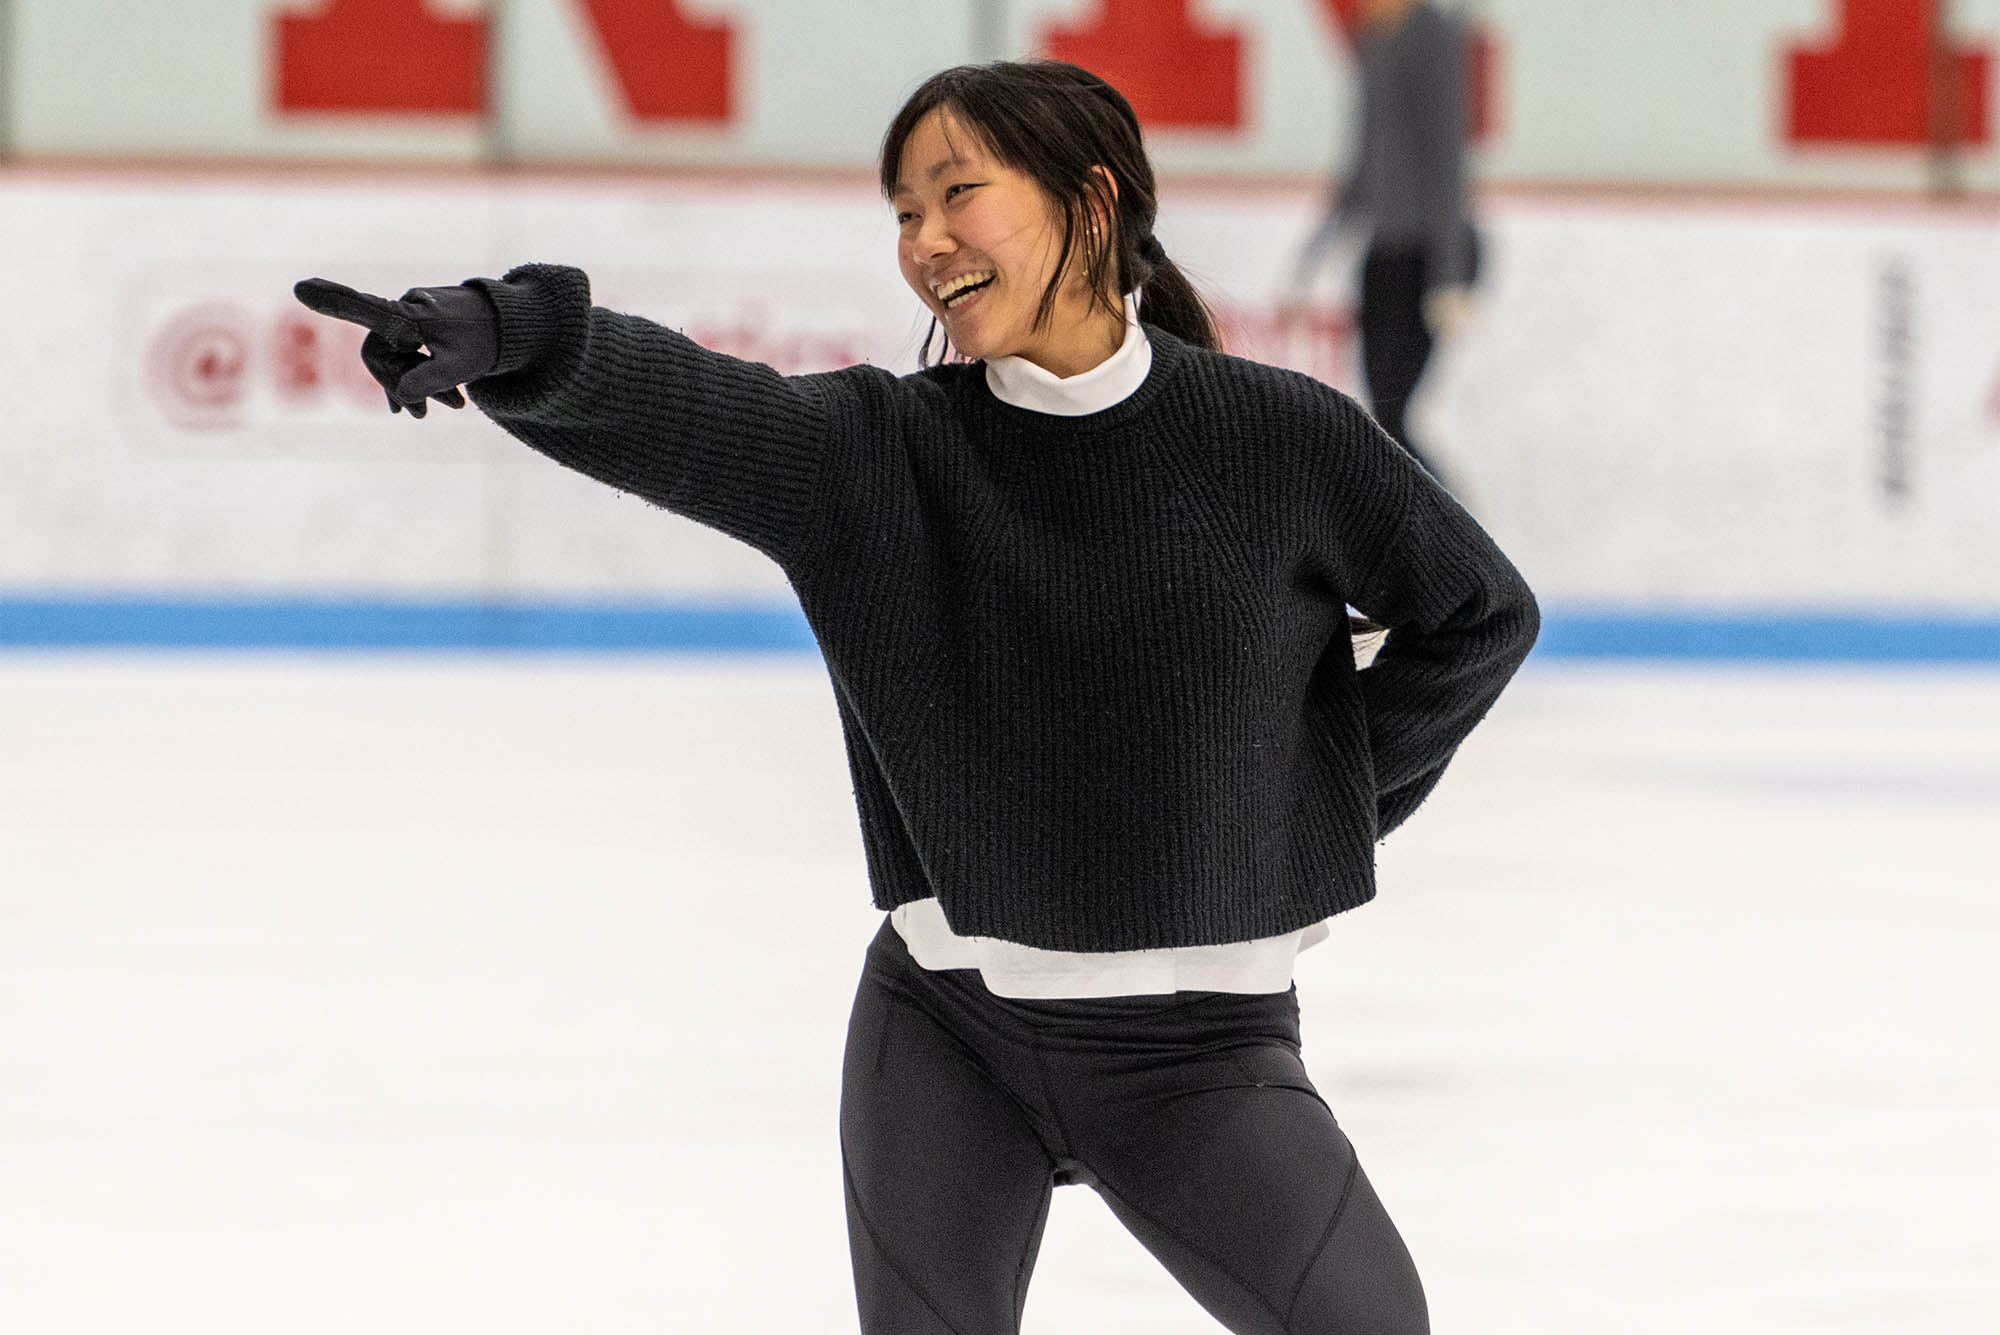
(1058, 122)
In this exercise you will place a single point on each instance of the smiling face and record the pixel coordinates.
(978, 242)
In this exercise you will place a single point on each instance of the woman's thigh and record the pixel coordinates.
(948, 1184)
(1232, 1171)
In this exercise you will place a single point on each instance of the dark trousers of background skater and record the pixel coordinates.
(1396, 340)
(1189, 1113)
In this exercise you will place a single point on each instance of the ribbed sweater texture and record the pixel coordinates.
(1094, 673)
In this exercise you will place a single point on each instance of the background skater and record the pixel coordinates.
(1404, 188)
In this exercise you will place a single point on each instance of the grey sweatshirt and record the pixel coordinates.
(1406, 175)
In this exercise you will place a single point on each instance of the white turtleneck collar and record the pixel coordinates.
(1018, 381)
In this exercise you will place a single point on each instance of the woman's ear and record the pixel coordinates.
(1103, 203)
(1104, 195)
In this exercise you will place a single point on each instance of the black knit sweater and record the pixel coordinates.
(1094, 672)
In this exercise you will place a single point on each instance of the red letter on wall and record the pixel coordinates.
(1874, 84)
(668, 67)
(1173, 73)
(381, 55)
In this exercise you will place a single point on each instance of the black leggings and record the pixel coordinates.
(1190, 1114)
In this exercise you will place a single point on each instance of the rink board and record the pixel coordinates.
(1671, 412)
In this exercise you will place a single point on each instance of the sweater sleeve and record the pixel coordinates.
(1460, 617)
(728, 443)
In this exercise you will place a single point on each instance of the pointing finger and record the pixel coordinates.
(391, 319)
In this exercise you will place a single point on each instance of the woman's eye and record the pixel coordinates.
(951, 191)
(904, 217)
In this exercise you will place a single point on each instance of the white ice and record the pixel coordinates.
(496, 996)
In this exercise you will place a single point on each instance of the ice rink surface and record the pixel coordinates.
(503, 996)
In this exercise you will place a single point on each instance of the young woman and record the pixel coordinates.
(1082, 590)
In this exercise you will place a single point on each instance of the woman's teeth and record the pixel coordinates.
(950, 293)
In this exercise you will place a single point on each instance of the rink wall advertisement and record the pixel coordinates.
(1768, 92)
(1669, 408)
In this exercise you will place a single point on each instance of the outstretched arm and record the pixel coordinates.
(731, 444)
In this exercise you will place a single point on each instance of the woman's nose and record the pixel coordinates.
(934, 238)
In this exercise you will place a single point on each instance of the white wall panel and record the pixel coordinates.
(818, 83)
(1582, 90)
(1689, 93)
(191, 78)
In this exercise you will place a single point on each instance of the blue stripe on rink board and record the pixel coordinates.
(356, 624)
(316, 624)
(1741, 637)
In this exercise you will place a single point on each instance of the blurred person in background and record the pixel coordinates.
(1082, 591)
(1405, 190)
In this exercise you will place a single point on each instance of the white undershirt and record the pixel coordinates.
(1029, 972)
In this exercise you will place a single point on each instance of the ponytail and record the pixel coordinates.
(1167, 299)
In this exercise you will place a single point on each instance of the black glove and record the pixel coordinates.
(458, 325)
